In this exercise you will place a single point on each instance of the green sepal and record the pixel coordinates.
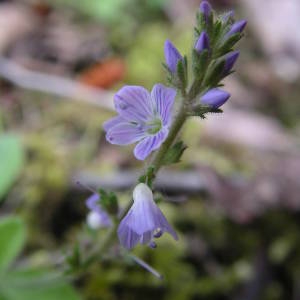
(214, 73)
(228, 44)
(109, 202)
(201, 110)
(199, 63)
(217, 32)
(182, 74)
(202, 24)
(174, 154)
(148, 177)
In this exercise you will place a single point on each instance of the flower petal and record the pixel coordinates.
(124, 134)
(133, 103)
(107, 125)
(127, 237)
(163, 98)
(92, 202)
(150, 143)
(163, 223)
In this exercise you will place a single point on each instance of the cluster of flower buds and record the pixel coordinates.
(213, 58)
(146, 118)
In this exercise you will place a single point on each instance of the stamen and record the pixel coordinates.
(146, 267)
(86, 187)
(158, 233)
(152, 245)
(154, 126)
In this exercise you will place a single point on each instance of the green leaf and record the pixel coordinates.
(11, 161)
(174, 154)
(12, 238)
(36, 285)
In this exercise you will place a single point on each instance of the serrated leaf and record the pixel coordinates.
(174, 154)
(12, 238)
(11, 161)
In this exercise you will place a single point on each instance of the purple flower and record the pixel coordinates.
(205, 8)
(215, 97)
(172, 56)
(97, 217)
(202, 42)
(230, 60)
(236, 28)
(143, 117)
(144, 221)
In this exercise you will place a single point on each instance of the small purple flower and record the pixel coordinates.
(215, 98)
(143, 117)
(230, 60)
(172, 56)
(144, 221)
(97, 217)
(206, 9)
(237, 27)
(202, 42)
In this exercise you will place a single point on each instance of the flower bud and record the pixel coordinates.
(215, 98)
(172, 56)
(230, 60)
(94, 220)
(202, 42)
(206, 9)
(237, 27)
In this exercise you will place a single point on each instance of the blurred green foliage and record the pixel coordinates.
(12, 237)
(21, 283)
(11, 161)
(116, 11)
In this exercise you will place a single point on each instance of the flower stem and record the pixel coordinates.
(174, 130)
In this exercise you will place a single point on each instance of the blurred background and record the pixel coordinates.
(235, 197)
